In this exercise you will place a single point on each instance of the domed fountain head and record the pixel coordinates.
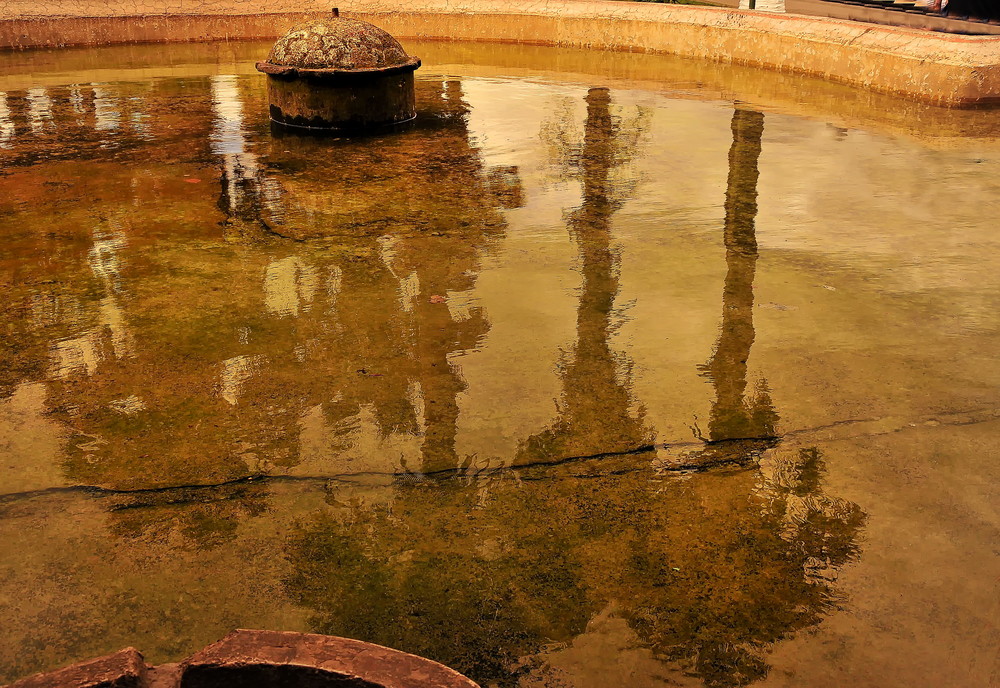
(339, 74)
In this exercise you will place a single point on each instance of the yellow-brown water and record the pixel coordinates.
(590, 377)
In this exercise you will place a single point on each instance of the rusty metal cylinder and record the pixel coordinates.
(339, 74)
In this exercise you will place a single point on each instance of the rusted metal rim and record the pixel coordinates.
(289, 73)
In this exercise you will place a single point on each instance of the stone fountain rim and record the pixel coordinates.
(236, 657)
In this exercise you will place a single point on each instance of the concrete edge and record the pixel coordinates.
(943, 69)
(255, 653)
(938, 68)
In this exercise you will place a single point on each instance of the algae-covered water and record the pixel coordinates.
(610, 370)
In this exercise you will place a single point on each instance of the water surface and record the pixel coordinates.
(609, 370)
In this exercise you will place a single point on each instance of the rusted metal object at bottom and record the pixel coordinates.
(275, 659)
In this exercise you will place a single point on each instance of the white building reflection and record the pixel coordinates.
(82, 354)
(6, 123)
(290, 286)
(105, 110)
(245, 188)
(107, 113)
(236, 371)
(39, 110)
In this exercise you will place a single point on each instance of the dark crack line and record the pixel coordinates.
(748, 459)
(346, 478)
(992, 414)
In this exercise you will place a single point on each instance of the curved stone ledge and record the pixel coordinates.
(251, 659)
(937, 68)
(277, 658)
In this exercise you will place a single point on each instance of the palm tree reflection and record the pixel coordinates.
(493, 574)
(740, 426)
(597, 412)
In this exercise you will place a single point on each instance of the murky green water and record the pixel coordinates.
(589, 378)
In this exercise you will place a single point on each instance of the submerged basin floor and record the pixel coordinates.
(576, 381)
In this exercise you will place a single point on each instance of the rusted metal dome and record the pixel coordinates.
(339, 74)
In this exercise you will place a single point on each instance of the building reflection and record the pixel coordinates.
(418, 211)
(246, 190)
(6, 123)
(333, 356)
(61, 122)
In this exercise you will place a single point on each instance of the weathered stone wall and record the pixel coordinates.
(124, 8)
(937, 68)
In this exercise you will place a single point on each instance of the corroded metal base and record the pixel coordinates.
(346, 104)
(368, 128)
